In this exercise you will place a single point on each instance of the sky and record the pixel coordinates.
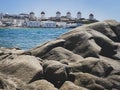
(102, 9)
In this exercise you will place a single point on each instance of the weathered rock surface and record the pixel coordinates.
(93, 66)
(56, 73)
(92, 82)
(60, 53)
(85, 58)
(40, 85)
(24, 67)
(43, 49)
(71, 86)
(10, 83)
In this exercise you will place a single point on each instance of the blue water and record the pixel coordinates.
(28, 37)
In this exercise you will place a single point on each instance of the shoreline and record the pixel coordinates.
(32, 28)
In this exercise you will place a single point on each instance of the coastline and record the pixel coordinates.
(12, 27)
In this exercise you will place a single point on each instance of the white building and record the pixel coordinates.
(71, 25)
(91, 17)
(32, 16)
(1, 23)
(1, 16)
(24, 15)
(48, 24)
(18, 22)
(58, 14)
(79, 15)
(68, 15)
(61, 24)
(33, 24)
(42, 15)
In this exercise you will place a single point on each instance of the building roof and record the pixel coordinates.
(42, 12)
(23, 14)
(68, 13)
(91, 14)
(58, 12)
(78, 12)
(32, 13)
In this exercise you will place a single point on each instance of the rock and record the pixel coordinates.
(115, 72)
(9, 83)
(85, 58)
(100, 68)
(92, 40)
(87, 41)
(93, 66)
(104, 28)
(88, 49)
(40, 85)
(11, 50)
(5, 52)
(108, 47)
(113, 62)
(43, 49)
(3, 56)
(82, 43)
(71, 86)
(24, 67)
(46, 63)
(60, 53)
(115, 80)
(56, 73)
(92, 82)
(115, 26)
(95, 87)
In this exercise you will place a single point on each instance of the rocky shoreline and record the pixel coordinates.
(85, 58)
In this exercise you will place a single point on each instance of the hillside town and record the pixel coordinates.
(58, 21)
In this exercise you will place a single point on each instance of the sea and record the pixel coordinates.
(27, 38)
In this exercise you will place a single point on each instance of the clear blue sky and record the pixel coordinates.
(102, 9)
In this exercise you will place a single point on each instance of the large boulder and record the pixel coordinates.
(115, 26)
(109, 28)
(11, 50)
(87, 41)
(60, 54)
(46, 63)
(108, 47)
(115, 80)
(112, 62)
(85, 58)
(10, 83)
(91, 82)
(82, 43)
(93, 66)
(39, 85)
(57, 73)
(5, 52)
(43, 49)
(71, 86)
(91, 40)
(104, 28)
(24, 67)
